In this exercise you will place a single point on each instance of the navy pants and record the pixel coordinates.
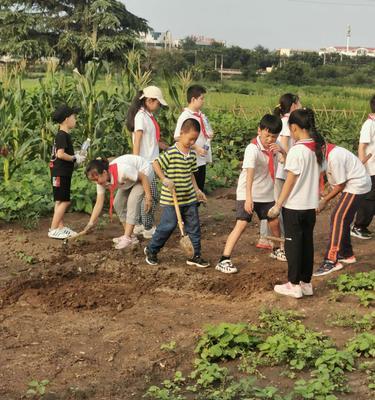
(168, 223)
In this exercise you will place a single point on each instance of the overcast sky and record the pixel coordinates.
(302, 24)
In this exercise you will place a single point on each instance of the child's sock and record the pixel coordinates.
(223, 258)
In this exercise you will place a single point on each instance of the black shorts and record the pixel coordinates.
(61, 187)
(261, 210)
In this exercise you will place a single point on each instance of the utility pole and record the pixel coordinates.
(348, 35)
(221, 67)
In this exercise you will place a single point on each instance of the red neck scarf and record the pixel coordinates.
(269, 154)
(156, 125)
(329, 148)
(113, 170)
(203, 128)
(310, 144)
(372, 117)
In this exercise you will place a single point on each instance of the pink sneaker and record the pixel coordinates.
(126, 242)
(307, 289)
(119, 238)
(288, 289)
(264, 243)
(348, 260)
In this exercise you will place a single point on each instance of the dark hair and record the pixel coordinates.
(99, 165)
(272, 123)
(285, 103)
(372, 104)
(194, 91)
(62, 112)
(190, 124)
(133, 109)
(305, 119)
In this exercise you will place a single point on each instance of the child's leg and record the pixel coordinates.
(200, 176)
(147, 219)
(120, 206)
(346, 249)
(274, 226)
(133, 207)
(233, 237)
(190, 216)
(308, 224)
(338, 216)
(58, 215)
(168, 223)
(279, 183)
(366, 210)
(293, 244)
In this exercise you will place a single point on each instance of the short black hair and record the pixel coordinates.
(372, 104)
(194, 91)
(190, 124)
(62, 112)
(99, 165)
(272, 123)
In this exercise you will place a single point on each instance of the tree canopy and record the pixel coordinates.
(75, 30)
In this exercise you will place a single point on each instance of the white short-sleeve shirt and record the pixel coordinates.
(149, 148)
(129, 166)
(263, 185)
(202, 140)
(301, 161)
(285, 131)
(368, 136)
(344, 166)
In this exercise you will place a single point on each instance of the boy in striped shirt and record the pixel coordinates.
(175, 168)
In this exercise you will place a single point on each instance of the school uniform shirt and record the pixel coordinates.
(368, 136)
(263, 184)
(301, 161)
(129, 166)
(60, 167)
(178, 167)
(202, 139)
(149, 148)
(285, 131)
(343, 166)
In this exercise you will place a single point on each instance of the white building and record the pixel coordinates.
(159, 39)
(349, 51)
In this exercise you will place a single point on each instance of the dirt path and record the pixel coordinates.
(91, 320)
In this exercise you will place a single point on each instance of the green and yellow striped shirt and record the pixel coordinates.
(178, 167)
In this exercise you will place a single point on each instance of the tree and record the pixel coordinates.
(73, 30)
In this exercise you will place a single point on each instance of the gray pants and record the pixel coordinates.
(127, 203)
(264, 231)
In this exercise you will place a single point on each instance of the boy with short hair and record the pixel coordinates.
(366, 153)
(62, 165)
(175, 168)
(202, 147)
(255, 188)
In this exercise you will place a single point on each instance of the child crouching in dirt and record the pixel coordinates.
(255, 189)
(175, 168)
(131, 176)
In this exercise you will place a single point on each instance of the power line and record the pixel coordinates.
(331, 3)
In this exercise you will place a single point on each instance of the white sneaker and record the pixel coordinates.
(288, 289)
(119, 238)
(147, 233)
(226, 267)
(68, 230)
(59, 234)
(138, 229)
(307, 289)
(126, 241)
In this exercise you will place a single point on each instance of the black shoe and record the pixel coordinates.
(198, 262)
(151, 258)
(360, 233)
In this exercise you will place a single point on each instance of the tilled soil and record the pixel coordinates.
(91, 319)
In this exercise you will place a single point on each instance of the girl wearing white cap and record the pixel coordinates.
(146, 142)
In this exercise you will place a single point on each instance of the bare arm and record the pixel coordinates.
(201, 196)
(290, 181)
(334, 192)
(137, 142)
(249, 205)
(96, 210)
(63, 156)
(284, 140)
(362, 153)
(147, 188)
(157, 168)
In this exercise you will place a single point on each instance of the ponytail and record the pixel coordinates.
(133, 109)
(285, 104)
(99, 165)
(305, 119)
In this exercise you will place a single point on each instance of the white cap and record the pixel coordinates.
(153, 92)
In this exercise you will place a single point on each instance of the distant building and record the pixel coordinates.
(205, 41)
(349, 51)
(159, 39)
(292, 52)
